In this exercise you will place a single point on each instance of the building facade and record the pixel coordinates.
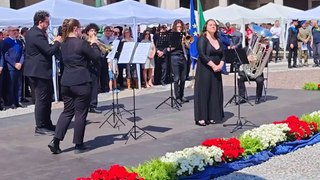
(174, 4)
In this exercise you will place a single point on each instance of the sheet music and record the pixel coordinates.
(141, 53)
(113, 52)
(126, 53)
(304, 47)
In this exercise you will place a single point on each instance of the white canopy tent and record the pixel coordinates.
(140, 13)
(281, 13)
(236, 14)
(62, 9)
(10, 17)
(307, 15)
(182, 10)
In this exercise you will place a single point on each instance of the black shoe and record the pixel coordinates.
(242, 101)
(257, 101)
(1, 108)
(54, 147)
(289, 66)
(184, 100)
(20, 105)
(80, 148)
(43, 131)
(52, 128)
(94, 110)
(203, 123)
(294, 66)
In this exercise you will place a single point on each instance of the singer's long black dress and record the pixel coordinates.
(208, 91)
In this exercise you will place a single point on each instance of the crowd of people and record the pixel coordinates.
(84, 69)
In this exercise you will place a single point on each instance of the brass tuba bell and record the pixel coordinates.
(188, 39)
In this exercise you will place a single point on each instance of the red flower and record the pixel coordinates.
(231, 147)
(116, 172)
(299, 129)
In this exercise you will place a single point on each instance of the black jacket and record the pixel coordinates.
(39, 52)
(76, 54)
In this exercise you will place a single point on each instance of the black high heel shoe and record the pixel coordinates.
(201, 123)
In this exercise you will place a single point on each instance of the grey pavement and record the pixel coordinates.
(25, 155)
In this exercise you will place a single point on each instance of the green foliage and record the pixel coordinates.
(251, 145)
(308, 118)
(156, 170)
(311, 86)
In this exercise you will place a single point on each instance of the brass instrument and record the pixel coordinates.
(260, 48)
(187, 40)
(104, 48)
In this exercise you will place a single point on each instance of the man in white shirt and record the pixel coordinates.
(276, 31)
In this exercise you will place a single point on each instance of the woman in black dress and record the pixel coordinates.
(208, 91)
(75, 84)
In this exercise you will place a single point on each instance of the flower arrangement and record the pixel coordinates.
(299, 129)
(193, 159)
(311, 86)
(313, 117)
(231, 147)
(116, 172)
(269, 135)
(214, 151)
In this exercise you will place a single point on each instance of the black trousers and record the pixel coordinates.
(43, 98)
(103, 75)
(242, 87)
(292, 53)
(276, 43)
(94, 91)
(189, 61)
(76, 103)
(179, 69)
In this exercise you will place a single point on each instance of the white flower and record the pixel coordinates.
(269, 134)
(315, 113)
(193, 159)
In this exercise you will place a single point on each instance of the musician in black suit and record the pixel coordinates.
(95, 70)
(178, 64)
(76, 84)
(38, 67)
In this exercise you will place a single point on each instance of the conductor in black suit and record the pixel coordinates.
(38, 67)
(75, 84)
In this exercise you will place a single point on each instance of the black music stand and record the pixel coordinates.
(170, 40)
(135, 129)
(238, 57)
(115, 111)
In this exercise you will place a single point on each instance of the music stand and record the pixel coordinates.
(238, 57)
(114, 55)
(133, 61)
(170, 40)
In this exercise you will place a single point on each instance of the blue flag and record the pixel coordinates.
(194, 33)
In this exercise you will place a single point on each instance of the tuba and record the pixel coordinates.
(260, 48)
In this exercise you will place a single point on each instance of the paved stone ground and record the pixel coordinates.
(25, 156)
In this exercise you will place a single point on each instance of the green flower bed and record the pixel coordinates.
(311, 86)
